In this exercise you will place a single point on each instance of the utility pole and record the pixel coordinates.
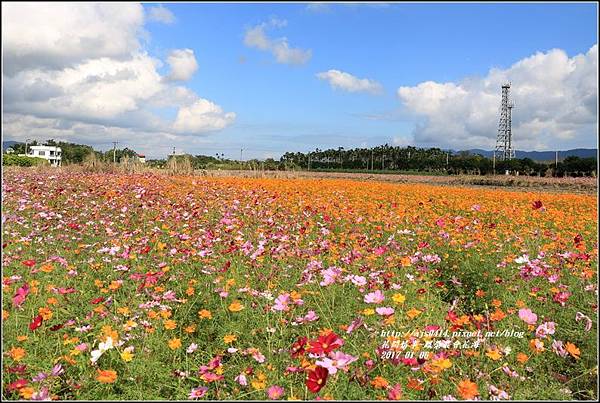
(309, 161)
(241, 151)
(494, 163)
(372, 168)
(26, 141)
(447, 157)
(382, 162)
(115, 151)
(556, 160)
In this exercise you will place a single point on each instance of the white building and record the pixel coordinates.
(142, 158)
(51, 153)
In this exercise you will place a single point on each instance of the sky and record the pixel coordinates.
(267, 78)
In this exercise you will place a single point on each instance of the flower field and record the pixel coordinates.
(155, 287)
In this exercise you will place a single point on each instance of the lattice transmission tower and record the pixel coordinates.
(504, 148)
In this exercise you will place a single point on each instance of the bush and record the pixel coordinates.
(23, 161)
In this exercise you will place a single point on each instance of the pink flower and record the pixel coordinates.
(241, 379)
(561, 297)
(559, 349)
(384, 311)
(588, 325)
(375, 297)
(527, 316)
(330, 275)
(395, 393)
(275, 392)
(336, 360)
(198, 393)
(545, 329)
(281, 303)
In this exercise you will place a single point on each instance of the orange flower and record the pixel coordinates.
(522, 358)
(413, 313)
(467, 389)
(573, 350)
(480, 293)
(106, 376)
(414, 384)
(17, 353)
(205, 314)
(46, 313)
(174, 344)
(497, 315)
(236, 306)
(191, 328)
(230, 338)
(170, 324)
(494, 354)
(380, 382)
(405, 261)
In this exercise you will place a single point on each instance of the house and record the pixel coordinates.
(142, 158)
(51, 153)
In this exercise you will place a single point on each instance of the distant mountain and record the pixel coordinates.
(7, 144)
(544, 155)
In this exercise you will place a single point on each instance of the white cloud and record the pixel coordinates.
(161, 14)
(183, 64)
(256, 37)
(555, 96)
(87, 69)
(348, 82)
(58, 35)
(202, 116)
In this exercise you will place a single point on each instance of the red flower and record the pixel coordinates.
(18, 384)
(97, 300)
(37, 322)
(317, 379)
(536, 205)
(325, 344)
(145, 250)
(29, 263)
(299, 347)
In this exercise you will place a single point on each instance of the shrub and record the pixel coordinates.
(23, 161)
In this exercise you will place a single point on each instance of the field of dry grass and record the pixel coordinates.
(570, 185)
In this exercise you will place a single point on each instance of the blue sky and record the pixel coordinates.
(284, 106)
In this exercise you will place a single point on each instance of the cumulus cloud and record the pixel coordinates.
(183, 64)
(350, 83)
(87, 69)
(555, 96)
(161, 14)
(202, 116)
(256, 37)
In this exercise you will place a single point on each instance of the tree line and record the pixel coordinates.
(383, 158)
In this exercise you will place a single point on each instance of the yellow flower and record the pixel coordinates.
(259, 383)
(368, 311)
(127, 355)
(166, 314)
(190, 329)
(205, 314)
(230, 338)
(441, 364)
(236, 306)
(398, 298)
(174, 344)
